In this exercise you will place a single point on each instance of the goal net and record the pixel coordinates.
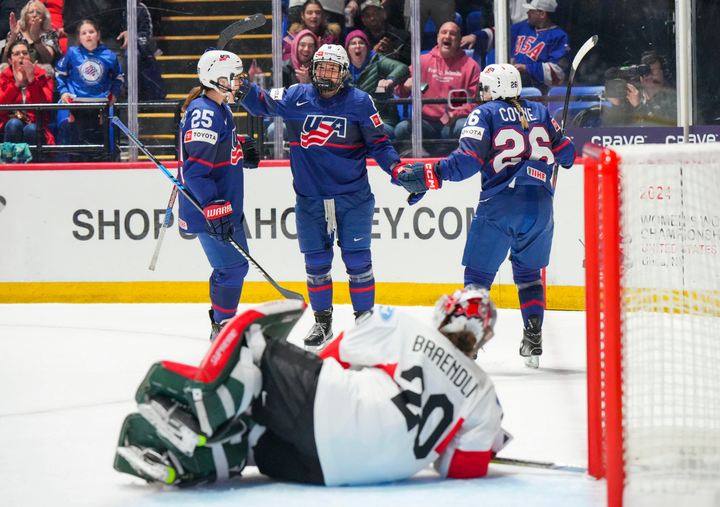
(652, 228)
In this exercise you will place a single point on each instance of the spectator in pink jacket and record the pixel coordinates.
(445, 68)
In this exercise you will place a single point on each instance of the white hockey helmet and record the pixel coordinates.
(467, 310)
(502, 80)
(330, 53)
(218, 69)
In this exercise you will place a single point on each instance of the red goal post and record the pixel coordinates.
(652, 238)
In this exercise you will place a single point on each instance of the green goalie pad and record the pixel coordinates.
(227, 379)
(143, 453)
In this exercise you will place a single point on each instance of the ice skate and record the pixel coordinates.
(359, 315)
(215, 327)
(531, 345)
(148, 464)
(321, 332)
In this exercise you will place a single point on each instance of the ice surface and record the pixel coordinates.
(68, 375)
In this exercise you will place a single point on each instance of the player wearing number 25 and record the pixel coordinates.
(211, 168)
(514, 144)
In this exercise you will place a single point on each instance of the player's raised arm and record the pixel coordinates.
(259, 102)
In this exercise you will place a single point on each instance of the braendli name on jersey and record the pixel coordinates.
(444, 360)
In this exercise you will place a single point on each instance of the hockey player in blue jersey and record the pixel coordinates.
(514, 144)
(332, 129)
(211, 169)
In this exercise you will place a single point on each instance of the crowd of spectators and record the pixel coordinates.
(375, 33)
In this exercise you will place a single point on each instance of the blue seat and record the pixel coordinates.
(490, 57)
(472, 23)
(556, 108)
(529, 91)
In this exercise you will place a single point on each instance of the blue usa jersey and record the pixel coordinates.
(330, 139)
(494, 143)
(210, 165)
(545, 53)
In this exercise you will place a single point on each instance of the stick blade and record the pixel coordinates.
(589, 44)
(240, 27)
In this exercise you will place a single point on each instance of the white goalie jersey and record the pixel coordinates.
(395, 395)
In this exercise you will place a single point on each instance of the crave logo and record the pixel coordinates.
(318, 129)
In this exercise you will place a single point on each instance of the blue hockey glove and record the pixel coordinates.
(219, 225)
(414, 198)
(418, 177)
(251, 155)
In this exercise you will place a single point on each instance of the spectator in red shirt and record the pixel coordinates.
(23, 82)
(445, 68)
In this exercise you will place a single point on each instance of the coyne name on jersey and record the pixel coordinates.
(204, 135)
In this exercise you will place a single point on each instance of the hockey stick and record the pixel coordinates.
(589, 44)
(164, 227)
(240, 27)
(563, 467)
(288, 294)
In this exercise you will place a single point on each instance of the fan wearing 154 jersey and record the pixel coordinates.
(514, 144)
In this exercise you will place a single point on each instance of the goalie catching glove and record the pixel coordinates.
(418, 177)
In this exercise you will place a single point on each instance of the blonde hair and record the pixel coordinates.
(47, 22)
(523, 120)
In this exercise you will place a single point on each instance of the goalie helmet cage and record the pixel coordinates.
(652, 236)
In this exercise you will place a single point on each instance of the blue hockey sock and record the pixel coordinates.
(481, 278)
(225, 290)
(532, 300)
(358, 265)
(319, 279)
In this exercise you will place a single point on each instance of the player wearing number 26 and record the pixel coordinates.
(514, 145)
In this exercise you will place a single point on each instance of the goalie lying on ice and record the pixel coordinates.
(384, 400)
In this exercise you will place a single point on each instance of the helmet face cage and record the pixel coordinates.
(218, 69)
(501, 80)
(335, 63)
(469, 310)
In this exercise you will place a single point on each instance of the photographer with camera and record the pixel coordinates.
(641, 95)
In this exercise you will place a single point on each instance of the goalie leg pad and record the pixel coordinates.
(143, 453)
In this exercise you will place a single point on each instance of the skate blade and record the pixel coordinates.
(532, 361)
(154, 471)
(316, 349)
(182, 437)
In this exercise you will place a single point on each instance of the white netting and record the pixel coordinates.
(670, 230)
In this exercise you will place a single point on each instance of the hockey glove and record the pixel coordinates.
(418, 177)
(219, 225)
(251, 155)
(414, 198)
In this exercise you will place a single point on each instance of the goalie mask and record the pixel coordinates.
(329, 68)
(501, 80)
(218, 70)
(467, 310)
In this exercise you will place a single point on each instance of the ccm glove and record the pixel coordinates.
(418, 177)
(251, 155)
(219, 225)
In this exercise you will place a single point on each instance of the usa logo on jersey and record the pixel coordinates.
(318, 129)
(237, 153)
